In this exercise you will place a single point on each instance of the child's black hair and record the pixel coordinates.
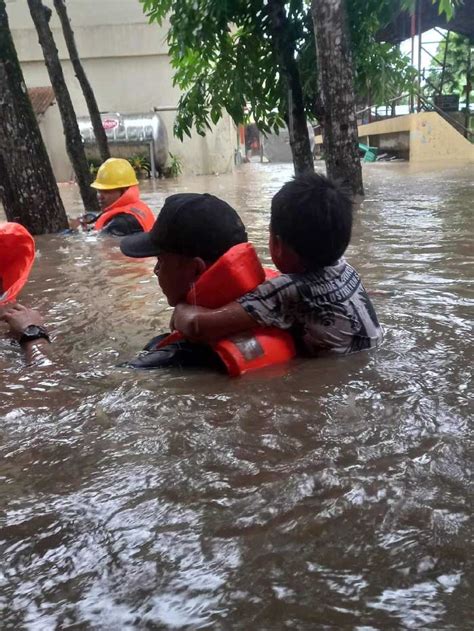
(313, 215)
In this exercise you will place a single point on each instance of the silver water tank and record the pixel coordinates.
(130, 129)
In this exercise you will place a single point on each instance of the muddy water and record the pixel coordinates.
(332, 493)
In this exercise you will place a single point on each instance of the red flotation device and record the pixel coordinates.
(17, 253)
(237, 272)
(129, 204)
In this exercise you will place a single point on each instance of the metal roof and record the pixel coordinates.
(399, 27)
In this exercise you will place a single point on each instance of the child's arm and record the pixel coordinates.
(207, 325)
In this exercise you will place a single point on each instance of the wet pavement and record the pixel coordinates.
(330, 493)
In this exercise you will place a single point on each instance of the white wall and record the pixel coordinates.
(52, 132)
(126, 61)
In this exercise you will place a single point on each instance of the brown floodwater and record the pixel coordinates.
(330, 493)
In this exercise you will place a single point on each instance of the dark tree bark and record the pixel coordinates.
(86, 87)
(74, 146)
(28, 189)
(337, 100)
(297, 124)
(468, 87)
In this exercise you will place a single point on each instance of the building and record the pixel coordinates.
(126, 61)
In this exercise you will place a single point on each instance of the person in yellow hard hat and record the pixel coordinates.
(123, 212)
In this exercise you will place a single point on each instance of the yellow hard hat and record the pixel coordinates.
(115, 173)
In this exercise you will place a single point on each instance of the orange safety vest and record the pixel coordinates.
(17, 253)
(130, 204)
(234, 274)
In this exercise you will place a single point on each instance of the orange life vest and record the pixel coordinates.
(130, 204)
(17, 253)
(234, 274)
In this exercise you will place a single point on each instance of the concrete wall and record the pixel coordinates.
(126, 61)
(52, 131)
(397, 143)
(431, 138)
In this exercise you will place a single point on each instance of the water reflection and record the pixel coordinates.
(333, 493)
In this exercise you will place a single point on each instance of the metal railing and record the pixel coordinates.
(425, 105)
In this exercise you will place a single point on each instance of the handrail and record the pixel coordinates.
(467, 132)
(369, 107)
(452, 121)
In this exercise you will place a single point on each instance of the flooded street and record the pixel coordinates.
(330, 493)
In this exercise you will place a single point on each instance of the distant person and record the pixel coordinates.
(123, 212)
(202, 253)
(319, 297)
(17, 254)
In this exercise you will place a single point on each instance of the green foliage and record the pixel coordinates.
(175, 166)
(140, 164)
(455, 75)
(381, 71)
(224, 58)
(447, 7)
(94, 167)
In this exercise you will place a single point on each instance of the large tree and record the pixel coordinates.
(284, 44)
(227, 55)
(75, 149)
(450, 65)
(336, 92)
(28, 189)
(238, 56)
(243, 57)
(94, 113)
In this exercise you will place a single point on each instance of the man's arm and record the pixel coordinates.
(208, 325)
(19, 318)
(36, 352)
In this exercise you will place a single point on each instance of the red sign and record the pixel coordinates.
(109, 123)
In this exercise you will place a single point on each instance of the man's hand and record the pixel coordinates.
(85, 221)
(74, 223)
(19, 317)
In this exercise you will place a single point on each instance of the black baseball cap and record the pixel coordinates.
(191, 224)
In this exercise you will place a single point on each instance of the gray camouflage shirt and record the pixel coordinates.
(327, 310)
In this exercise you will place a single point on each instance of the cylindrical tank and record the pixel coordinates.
(130, 129)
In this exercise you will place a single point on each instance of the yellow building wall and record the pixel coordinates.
(431, 137)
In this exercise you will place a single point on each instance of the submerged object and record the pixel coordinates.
(234, 274)
(17, 253)
(370, 153)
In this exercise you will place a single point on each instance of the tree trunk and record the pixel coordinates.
(336, 84)
(74, 146)
(86, 87)
(28, 189)
(468, 87)
(285, 49)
